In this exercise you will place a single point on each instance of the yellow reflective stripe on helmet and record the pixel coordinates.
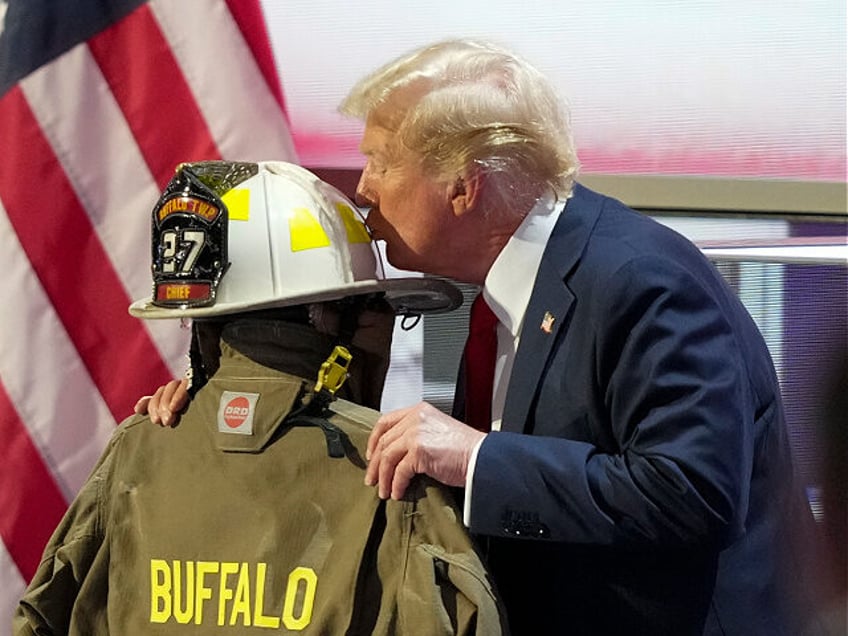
(356, 232)
(305, 231)
(237, 201)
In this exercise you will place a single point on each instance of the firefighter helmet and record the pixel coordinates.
(230, 237)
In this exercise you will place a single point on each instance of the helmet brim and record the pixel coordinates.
(407, 296)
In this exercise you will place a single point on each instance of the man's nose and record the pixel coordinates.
(365, 197)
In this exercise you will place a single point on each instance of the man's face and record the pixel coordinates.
(410, 210)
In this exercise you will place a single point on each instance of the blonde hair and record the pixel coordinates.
(470, 103)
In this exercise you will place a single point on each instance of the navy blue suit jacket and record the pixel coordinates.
(642, 480)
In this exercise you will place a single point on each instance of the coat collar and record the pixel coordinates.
(550, 304)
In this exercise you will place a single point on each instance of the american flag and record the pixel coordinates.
(99, 100)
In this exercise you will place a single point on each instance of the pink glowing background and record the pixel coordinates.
(752, 89)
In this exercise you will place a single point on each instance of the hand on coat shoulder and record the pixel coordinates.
(166, 404)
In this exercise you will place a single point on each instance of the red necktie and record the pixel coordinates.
(480, 353)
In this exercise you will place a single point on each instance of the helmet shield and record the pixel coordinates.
(189, 233)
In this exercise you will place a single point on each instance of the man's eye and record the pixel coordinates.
(377, 167)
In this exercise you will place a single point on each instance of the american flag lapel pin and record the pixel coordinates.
(547, 322)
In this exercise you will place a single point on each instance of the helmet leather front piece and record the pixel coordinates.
(189, 233)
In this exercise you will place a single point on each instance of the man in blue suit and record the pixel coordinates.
(637, 477)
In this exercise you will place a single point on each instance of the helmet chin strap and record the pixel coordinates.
(203, 354)
(350, 309)
(331, 376)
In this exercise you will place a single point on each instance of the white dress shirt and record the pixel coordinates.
(507, 291)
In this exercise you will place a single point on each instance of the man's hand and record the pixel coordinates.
(164, 406)
(418, 439)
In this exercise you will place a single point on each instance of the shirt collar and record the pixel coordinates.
(510, 279)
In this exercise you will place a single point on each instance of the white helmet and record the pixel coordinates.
(229, 237)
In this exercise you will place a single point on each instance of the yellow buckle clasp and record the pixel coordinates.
(333, 371)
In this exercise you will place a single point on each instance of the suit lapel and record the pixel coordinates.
(552, 297)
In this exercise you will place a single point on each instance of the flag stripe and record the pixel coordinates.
(30, 510)
(155, 98)
(248, 16)
(35, 184)
(69, 439)
(115, 206)
(229, 89)
(12, 584)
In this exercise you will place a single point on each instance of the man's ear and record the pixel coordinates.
(466, 191)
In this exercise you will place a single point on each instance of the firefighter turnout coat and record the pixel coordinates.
(236, 522)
